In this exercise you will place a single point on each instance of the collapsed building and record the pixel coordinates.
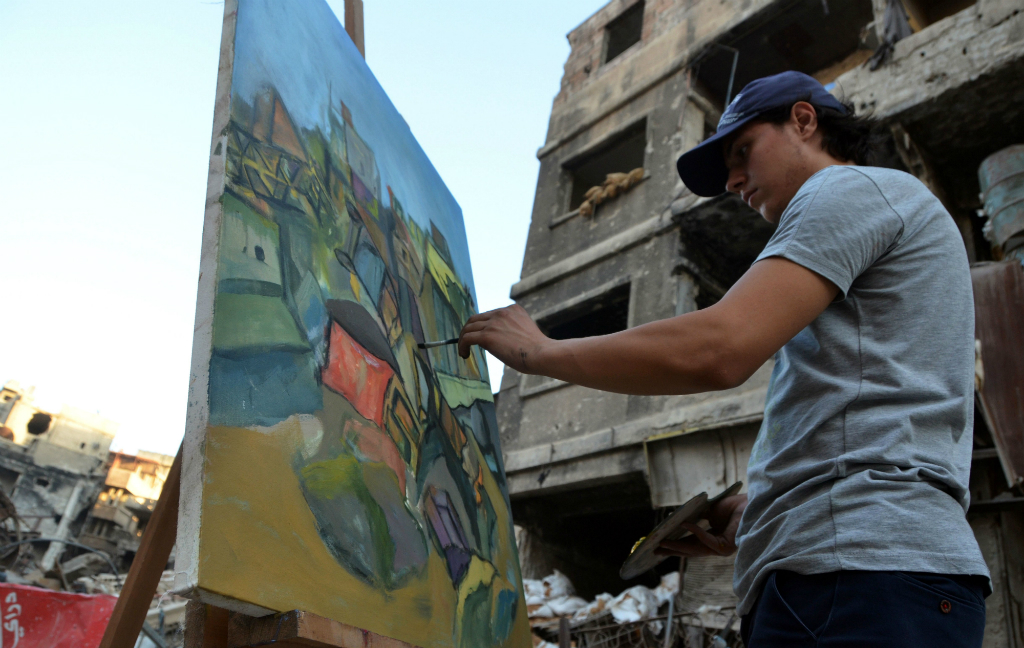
(122, 510)
(52, 467)
(616, 240)
(62, 481)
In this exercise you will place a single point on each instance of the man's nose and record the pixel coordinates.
(735, 181)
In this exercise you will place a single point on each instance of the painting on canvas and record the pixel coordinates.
(330, 464)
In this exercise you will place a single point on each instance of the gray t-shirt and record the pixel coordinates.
(863, 458)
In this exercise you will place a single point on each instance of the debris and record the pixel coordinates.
(896, 27)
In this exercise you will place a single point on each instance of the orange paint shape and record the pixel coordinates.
(356, 374)
(284, 133)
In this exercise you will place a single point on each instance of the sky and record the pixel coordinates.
(106, 111)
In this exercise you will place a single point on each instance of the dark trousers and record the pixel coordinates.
(861, 609)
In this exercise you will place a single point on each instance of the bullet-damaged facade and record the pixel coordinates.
(590, 472)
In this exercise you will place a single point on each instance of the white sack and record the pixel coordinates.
(566, 605)
(557, 584)
(634, 604)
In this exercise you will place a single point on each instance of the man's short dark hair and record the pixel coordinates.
(848, 137)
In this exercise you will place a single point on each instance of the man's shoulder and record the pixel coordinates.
(881, 179)
(854, 190)
(883, 192)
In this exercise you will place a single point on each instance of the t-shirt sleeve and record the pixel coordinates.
(837, 225)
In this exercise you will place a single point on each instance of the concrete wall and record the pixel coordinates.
(573, 435)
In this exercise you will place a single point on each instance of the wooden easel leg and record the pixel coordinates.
(154, 550)
(206, 626)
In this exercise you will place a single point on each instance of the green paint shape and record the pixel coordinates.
(463, 392)
(247, 321)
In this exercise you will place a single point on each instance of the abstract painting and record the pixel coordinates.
(331, 464)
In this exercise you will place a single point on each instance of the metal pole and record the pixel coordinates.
(564, 640)
(732, 75)
(668, 623)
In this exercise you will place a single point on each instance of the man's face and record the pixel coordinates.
(766, 165)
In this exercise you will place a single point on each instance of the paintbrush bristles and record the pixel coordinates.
(431, 345)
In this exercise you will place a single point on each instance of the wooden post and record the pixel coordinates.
(354, 23)
(206, 626)
(297, 628)
(154, 550)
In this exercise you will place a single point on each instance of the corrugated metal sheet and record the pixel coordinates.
(999, 324)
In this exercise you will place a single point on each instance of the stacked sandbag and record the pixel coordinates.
(594, 608)
(554, 596)
(635, 604)
(614, 184)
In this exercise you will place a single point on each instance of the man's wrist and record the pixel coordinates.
(542, 358)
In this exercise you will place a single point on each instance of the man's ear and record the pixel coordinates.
(805, 119)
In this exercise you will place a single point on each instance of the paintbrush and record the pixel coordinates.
(431, 345)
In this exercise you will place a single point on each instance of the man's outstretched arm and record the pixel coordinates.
(715, 348)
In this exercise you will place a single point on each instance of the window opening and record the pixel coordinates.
(39, 423)
(797, 35)
(622, 154)
(623, 32)
(926, 12)
(604, 314)
(8, 479)
(585, 532)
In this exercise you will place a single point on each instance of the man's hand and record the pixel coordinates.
(507, 333)
(719, 540)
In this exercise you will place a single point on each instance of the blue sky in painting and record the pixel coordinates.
(303, 51)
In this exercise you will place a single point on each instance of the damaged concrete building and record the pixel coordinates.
(119, 517)
(590, 472)
(63, 481)
(52, 466)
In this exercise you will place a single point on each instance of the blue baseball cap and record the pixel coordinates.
(702, 168)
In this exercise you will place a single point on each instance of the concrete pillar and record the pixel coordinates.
(56, 548)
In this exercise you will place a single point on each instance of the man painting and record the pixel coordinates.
(853, 531)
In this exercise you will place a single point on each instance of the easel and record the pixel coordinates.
(207, 626)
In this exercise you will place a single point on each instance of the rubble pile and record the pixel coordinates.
(554, 597)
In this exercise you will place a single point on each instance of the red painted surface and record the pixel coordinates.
(33, 617)
(356, 374)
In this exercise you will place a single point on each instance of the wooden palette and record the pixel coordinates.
(643, 558)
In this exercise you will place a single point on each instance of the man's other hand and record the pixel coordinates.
(719, 540)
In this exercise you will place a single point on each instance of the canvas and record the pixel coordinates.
(331, 465)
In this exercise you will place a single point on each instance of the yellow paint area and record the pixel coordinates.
(259, 543)
(443, 274)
